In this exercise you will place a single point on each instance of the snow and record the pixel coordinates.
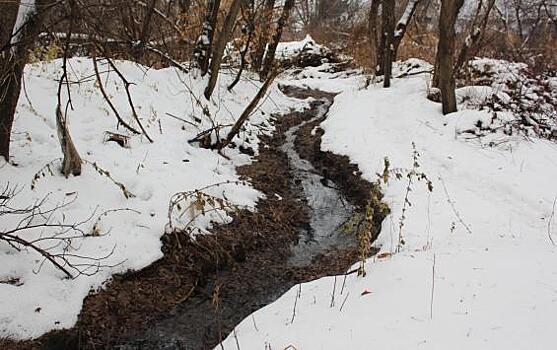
(44, 299)
(478, 267)
(292, 48)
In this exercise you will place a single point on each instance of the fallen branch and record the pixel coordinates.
(107, 99)
(130, 100)
(248, 111)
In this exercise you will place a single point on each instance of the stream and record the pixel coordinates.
(322, 248)
(329, 210)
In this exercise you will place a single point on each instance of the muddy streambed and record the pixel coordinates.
(320, 246)
(195, 296)
(235, 292)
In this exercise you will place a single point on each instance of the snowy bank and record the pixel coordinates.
(118, 233)
(477, 269)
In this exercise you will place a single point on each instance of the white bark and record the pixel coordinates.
(26, 9)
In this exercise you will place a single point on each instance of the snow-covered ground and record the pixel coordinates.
(479, 268)
(35, 297)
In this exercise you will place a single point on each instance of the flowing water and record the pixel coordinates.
(196, 325)
(329, 210)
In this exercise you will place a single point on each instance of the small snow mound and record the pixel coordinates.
(292, 48)
(305, 53)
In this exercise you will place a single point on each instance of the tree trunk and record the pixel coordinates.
(272, 49)
(205, 41)
(71, 163)
(265, 25)
(218, 49)
(249, 109)
(445, 53)
(473, 38)
(382, 40)
(13, 57)
(250, 28)
(372, 32)
(402, 24)
(388, 15)
(145, 33)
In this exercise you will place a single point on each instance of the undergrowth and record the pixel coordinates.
(362, 223)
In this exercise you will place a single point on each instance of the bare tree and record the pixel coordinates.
(265, 25)
(249, 109)
(17, 40)
(475, 35)
(205, 41)
(146, 29)
(248, 30)
(218, 49)
(445, 53)
(388, 19)
(272, 49)
(402, 24)
(372, 32)
(72, 161)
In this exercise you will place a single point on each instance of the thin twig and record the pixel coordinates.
(344, 301)
(432, 288)
(333, 294)
(455, 211)
(130, 100)
(107, 99)
(550, 221)
(181, 119)
(298, 293)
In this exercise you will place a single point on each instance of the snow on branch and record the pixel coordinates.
(405, 18)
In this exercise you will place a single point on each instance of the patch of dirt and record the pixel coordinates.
(195, 295)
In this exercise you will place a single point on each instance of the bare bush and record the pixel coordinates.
(37, 227)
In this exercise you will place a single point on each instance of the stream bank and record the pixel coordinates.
(199, 291)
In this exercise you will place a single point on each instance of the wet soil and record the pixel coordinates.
(199, 291)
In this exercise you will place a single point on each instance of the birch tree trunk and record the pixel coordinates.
(203, 46)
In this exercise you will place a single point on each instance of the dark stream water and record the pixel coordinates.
(329, 210)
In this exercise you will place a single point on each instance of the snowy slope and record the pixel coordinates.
(478, 270)
(33, 302)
